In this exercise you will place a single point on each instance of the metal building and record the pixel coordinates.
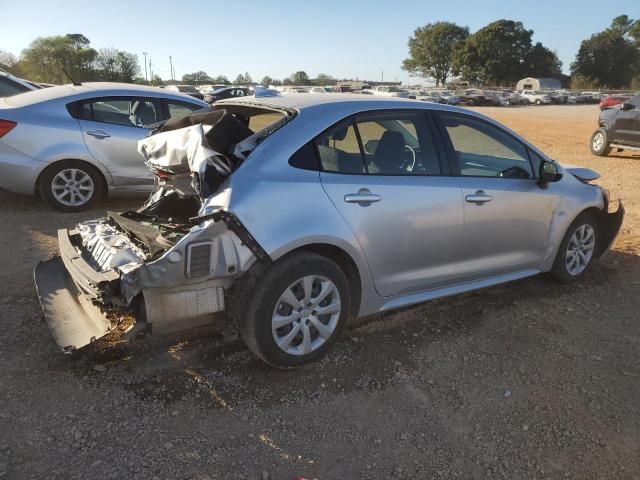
(531, 83)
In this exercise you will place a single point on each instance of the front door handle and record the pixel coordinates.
(98, 133)
(478, 198)
(363, 197)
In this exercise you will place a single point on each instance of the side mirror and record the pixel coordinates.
(627, 106)
(549, 172)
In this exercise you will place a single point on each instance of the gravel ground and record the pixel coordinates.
(527, 380)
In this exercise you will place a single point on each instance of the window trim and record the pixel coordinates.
(74, 108)
(431, 131)
(450, 150)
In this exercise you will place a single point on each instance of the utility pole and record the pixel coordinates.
(150, 70)
(381, 76)
(171, 68)
(145, 66)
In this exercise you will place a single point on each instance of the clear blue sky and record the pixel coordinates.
(347, 38)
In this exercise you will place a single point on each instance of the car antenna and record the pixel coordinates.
(76, 84)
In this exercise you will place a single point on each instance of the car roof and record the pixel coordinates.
(89, 89)
(302, 101)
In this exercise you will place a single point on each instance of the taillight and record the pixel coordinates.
(6, 126)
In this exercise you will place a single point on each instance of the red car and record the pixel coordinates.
(612, 100)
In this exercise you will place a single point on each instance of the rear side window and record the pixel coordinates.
(339, 150)
(381, 143)
(181, 109)
(9, 88)
(129, 112)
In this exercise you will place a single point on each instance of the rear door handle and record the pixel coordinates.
(478, 198)
(98, 133)
(363, 197)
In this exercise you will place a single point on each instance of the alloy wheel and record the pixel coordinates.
(306, 315)
(580, 249)
(72, 187)
(598, 141)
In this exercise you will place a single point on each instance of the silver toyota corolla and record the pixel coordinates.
(73, 144)
(294, 213)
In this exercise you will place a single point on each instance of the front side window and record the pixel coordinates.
(483, 150)
(130, 112)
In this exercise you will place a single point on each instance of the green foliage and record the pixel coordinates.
(324, 79)
(8, 62)
(114, 65)
(221, 79)
(497, 54)
(45, 58)
(431, 50)
(300, 78)
(610, 58)
(197, 78)
(542, 62)
(266, 81)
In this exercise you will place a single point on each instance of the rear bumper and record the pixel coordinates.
(68, 289)
(72, 317)
(610, 224)
(18, 172)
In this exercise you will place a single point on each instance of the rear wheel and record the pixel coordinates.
(296, 310)
(576, 251)
(600, 143)
(71, 185)
(538, 102)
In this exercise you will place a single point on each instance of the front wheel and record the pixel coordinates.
(538, 102)
(600, 143)
(576, 251)
(71, 185)
(296, 310)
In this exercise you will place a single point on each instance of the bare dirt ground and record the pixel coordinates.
(528, 380)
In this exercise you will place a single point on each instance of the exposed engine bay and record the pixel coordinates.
(170, 261)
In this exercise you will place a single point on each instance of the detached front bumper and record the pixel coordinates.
(68, 288)
(610, 224)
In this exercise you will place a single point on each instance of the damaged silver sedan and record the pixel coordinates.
(291, 214)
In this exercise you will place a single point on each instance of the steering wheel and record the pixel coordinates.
(409, 165)
(514, 172)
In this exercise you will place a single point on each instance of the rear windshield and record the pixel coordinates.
(186, 88)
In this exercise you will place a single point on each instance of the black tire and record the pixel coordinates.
(254, 297)
(538, 102)
(602, 149)
(559, 269)
(82, 168)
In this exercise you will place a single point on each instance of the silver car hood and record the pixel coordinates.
(582, 173)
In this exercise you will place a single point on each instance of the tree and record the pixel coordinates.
(221, 79)
(300, 78)
(156, 81)
(496, 54)
(323, 79)
(45, 58)
(197, 77)
(431, 50)
(247, 78)
(266, 81)
(542, 62)
(609, 58)
(239, 79)
(114, 65)
(8, 61)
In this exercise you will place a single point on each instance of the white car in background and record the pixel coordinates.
(537, 98)
(322, 90)
(293, 90)
(390, 91)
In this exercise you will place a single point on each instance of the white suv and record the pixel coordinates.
(537, 98)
